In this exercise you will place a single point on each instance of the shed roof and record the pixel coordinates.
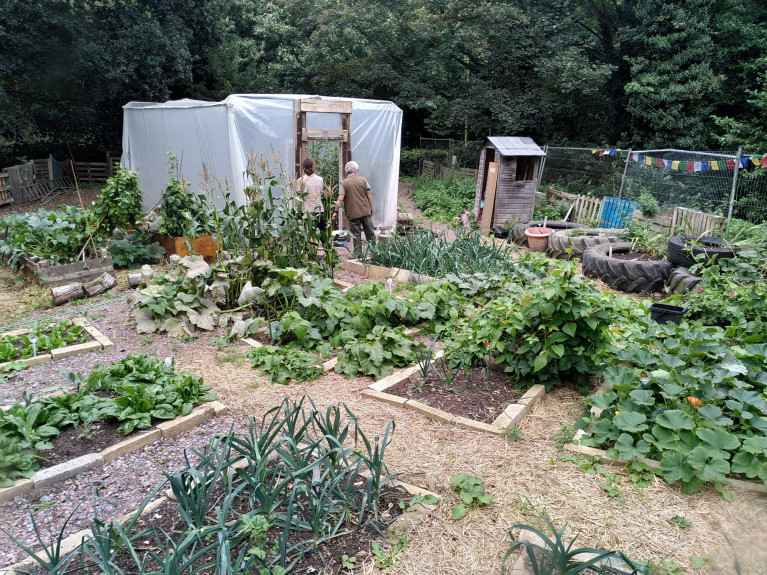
(515, 146)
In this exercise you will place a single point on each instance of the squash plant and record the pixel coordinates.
(683, 396)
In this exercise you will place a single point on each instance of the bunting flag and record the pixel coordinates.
(689, 166)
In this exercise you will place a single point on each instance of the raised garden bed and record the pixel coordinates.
(397, 275)
(387, 388)
(138, 392)
(60, 348)
(252, 483)
(48, 476)
(467, 395)
(575, 447)
(41, 271)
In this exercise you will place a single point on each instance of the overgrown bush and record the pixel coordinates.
(120, 203)
(409, 163)
(443, 200)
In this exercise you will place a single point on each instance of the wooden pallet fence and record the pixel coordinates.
(685, 221)
(5, 190)
(92, 172)
(585, 208)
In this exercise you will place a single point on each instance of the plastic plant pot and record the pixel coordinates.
(663, 313)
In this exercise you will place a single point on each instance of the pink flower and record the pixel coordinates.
(732, 293)
(700, 290)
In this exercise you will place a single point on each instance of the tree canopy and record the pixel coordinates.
(679, 73)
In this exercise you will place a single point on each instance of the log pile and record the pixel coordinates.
(76, 290)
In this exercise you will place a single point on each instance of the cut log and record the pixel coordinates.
(101, 284)
(134, 280)
(69, 292)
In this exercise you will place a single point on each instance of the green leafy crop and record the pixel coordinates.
(680, 395)
(284, 364)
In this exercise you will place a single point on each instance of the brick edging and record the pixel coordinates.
(167, 429)
(100, 341)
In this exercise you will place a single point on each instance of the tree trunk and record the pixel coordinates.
(69, 292)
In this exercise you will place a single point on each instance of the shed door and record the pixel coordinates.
(490, 186)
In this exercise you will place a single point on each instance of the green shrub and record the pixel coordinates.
(119, 204)
(648, 204)
(551, 333)
(443, 200)
(409, 163)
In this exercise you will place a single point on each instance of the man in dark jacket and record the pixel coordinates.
(354, 194)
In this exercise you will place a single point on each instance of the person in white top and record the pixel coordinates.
(312, 184)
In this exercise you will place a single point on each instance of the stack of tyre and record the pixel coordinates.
(632, 275)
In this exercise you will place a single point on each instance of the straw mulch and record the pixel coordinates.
(519, 475)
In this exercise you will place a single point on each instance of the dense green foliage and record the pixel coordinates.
(584, 71)
(547, 333)
(682, 396)
(119, 204)
(444, 200)
(55, 236)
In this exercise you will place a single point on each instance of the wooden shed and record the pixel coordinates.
(507, 180)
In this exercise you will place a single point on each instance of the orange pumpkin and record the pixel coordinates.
(693, 401)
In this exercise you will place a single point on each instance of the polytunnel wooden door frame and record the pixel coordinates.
(304, 135)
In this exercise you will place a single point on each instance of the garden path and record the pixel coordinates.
(520, 474)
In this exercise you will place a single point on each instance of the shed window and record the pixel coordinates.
(525, 168)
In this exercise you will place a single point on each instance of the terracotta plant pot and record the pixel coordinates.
(538, 239)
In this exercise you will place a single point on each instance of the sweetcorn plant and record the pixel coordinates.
(682, 396)
(554, 332)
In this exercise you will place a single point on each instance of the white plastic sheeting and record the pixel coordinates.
(220, 135)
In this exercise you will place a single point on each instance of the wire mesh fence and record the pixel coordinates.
(720, 183)
(583, 171)
(451, 153)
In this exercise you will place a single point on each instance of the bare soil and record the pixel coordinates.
(76, 441)
(469, 395)
(638, 257)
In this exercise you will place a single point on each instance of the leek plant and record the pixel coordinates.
(425, 253)
(255, 502)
